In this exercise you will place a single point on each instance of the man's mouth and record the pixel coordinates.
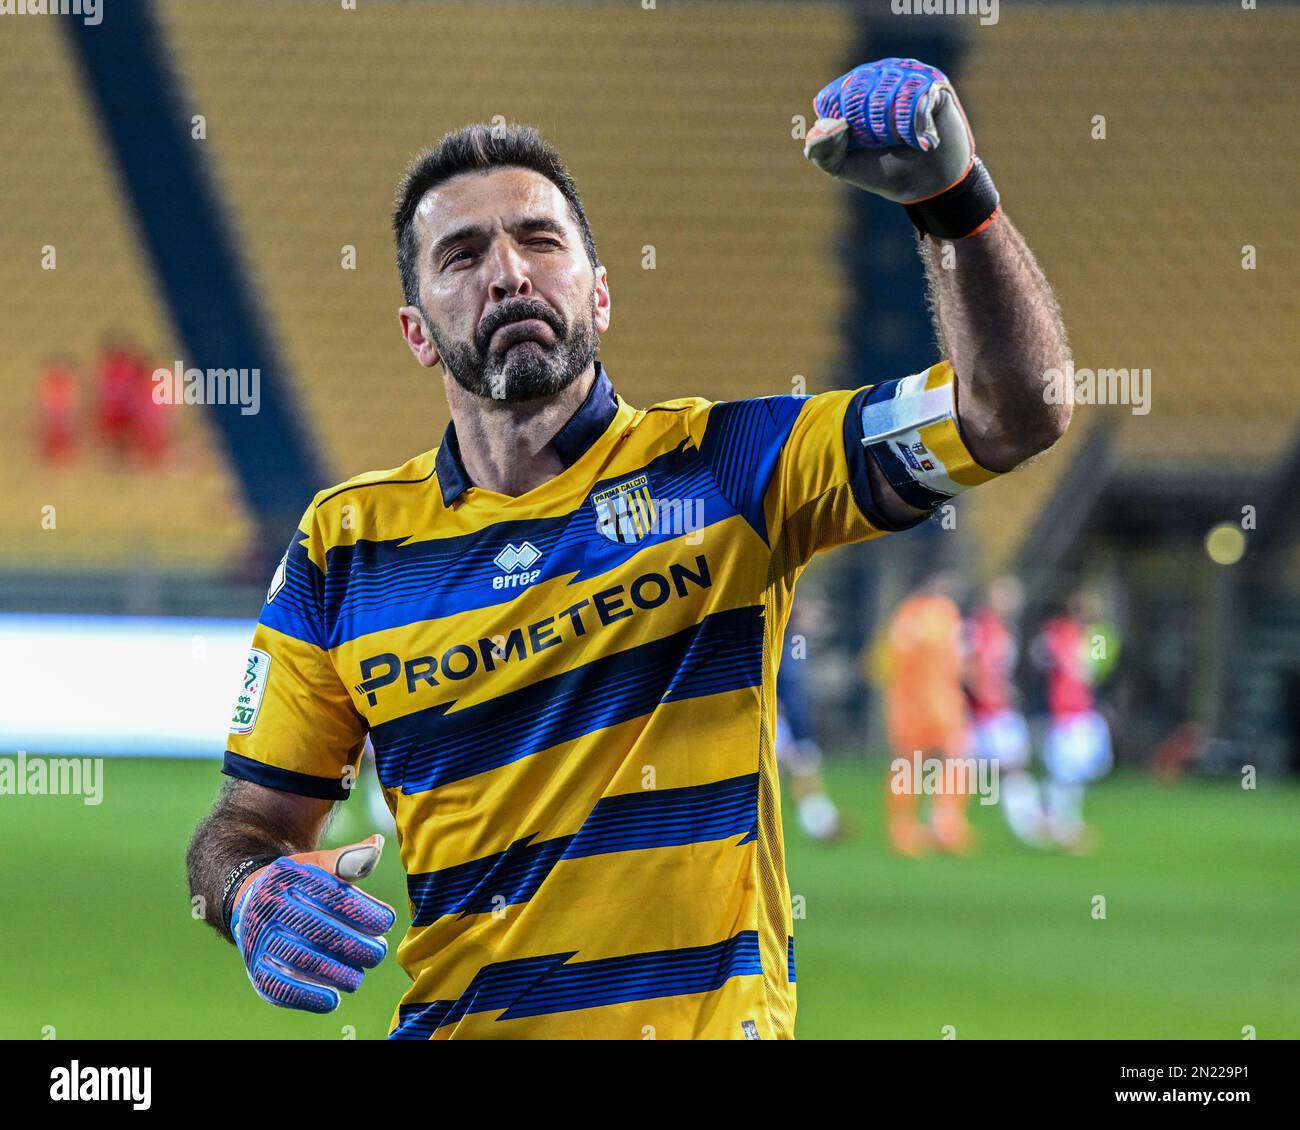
(526, 329)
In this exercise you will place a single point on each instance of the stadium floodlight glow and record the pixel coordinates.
(1225, 544)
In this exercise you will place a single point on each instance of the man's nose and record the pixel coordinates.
(509, 275)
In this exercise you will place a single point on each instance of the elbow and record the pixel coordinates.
(1039, 431)
(1055, 398)
(1019, 428)
(1054, 424)
(1057, 401)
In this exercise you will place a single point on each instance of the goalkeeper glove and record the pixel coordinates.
(894, 127)
(303, 930)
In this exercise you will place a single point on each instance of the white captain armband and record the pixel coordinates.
(909, 427)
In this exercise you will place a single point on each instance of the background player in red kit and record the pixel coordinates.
(1077, 748)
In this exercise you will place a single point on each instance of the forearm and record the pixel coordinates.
(1000, 327)
(234, 831)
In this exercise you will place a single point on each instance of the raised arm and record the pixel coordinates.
(895, 128)
(999, 325)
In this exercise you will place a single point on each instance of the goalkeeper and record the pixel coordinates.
(572, 700)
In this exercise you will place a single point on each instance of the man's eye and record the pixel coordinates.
(456, 254)
(546, 242)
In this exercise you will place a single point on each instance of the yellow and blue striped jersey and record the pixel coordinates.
(570, 694)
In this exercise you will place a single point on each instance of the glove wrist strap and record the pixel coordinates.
(960, 211)
(235, 880)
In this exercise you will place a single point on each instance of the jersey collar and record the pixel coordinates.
(571, 442)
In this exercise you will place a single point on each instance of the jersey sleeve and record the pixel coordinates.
(294, 726)
(797, 466)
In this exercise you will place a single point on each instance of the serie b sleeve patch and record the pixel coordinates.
(249, 702)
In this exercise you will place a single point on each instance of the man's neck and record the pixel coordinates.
(506, 447)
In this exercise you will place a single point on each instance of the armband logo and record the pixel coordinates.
(277, 581)
(250, 694)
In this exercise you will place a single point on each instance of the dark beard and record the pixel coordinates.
(528, 370)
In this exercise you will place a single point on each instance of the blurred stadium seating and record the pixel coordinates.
(61, 190)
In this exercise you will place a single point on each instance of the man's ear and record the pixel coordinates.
(418, 339)
(603, 310)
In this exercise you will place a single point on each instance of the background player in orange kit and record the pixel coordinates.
(925, 711)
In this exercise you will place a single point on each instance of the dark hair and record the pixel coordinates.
(477, 148)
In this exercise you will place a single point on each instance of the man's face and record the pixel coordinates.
(511, 303)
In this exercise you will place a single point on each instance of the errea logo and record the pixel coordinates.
(517, 561)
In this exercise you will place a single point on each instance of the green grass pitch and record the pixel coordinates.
(1198, 941)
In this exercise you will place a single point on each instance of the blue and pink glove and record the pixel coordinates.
(894, 127)
(304, 931)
